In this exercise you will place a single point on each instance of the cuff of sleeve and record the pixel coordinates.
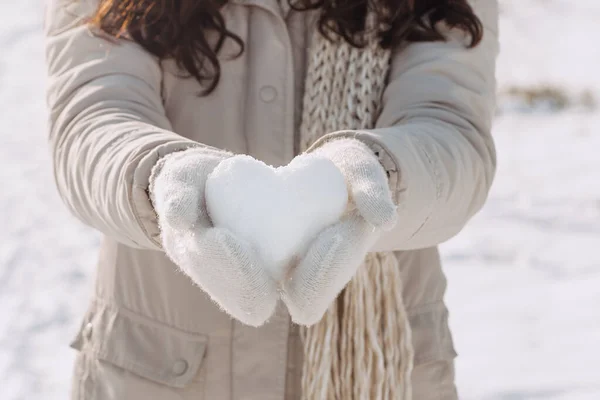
(414, 181)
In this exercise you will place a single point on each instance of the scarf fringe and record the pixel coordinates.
(362, 347)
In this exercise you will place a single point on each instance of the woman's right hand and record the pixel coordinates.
(223, 265)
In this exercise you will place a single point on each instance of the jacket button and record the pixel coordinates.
(268, 94)
(87, 330)
(180, 367)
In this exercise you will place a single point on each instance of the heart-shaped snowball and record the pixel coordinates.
(277, 210)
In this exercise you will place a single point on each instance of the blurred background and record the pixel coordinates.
(524, 277)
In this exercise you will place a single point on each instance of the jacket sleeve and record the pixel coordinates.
(434, 134)
(107, 125)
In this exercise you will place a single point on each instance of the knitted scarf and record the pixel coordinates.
(361, 349)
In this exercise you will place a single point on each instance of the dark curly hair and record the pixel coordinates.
(177, 29)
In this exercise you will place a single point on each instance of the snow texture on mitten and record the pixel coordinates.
(224, 266)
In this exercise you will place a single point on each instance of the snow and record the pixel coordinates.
(278, 210)
(523, 276)
(46, 256)
(549, 41)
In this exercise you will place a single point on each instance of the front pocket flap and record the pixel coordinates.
(146, 347)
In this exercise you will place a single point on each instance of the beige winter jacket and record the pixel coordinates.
(114, 110)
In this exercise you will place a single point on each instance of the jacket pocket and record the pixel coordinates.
(133, 347)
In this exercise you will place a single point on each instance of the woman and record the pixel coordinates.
(147, 97)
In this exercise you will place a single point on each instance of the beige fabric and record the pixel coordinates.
(114, 110)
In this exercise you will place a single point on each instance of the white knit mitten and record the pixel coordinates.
(223, 265)
(339, 250)
(366, 179)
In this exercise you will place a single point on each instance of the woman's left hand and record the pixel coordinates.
(337, 252)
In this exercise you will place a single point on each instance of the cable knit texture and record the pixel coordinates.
(361, 348)
(223, 265)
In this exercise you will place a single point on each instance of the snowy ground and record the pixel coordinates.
(524, 276)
